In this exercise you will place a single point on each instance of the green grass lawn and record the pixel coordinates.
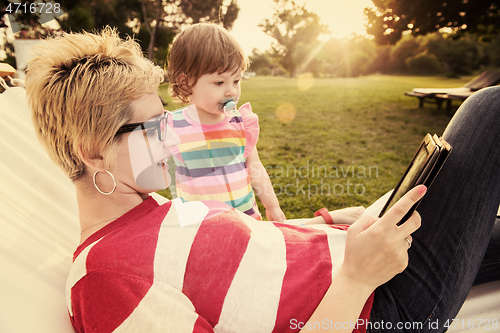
(342, 142)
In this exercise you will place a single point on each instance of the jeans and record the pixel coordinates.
(458, 214)
(490, 267)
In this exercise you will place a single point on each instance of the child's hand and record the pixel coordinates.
(275, 214)
(347, 215)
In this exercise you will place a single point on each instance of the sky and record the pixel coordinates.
(342, 16)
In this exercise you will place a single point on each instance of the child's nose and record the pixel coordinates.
(231, 91)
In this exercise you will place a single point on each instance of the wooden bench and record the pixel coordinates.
(423, 96)
(439, 95)
(452, 97)
(439, 98)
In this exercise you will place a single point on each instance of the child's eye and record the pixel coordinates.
(219, 83)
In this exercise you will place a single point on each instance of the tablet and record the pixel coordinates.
(423, 169)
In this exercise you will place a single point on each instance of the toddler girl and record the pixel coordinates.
(217, 158)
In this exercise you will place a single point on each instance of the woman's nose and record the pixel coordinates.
(172, 139)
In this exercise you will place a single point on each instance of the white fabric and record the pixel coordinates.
(238, 296)
(39, 232)
(39, 226)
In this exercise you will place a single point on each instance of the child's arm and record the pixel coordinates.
(345, 216)
(264, 188)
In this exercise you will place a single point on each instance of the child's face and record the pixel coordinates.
(211, 89)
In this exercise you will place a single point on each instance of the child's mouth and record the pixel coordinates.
(227, 105)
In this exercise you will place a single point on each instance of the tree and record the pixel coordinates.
(3, 13)
(95, 14)
(405, 48)
(461, 56)
(225, 12)
(349, 57)
(260, 62)
(391, 18)
(153, 22)
(295, 30)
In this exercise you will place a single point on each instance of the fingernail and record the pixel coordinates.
(422, 189)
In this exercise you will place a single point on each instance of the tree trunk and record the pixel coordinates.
(152, 32)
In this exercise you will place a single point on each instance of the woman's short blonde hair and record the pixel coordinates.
(202, 48)
(79, 88)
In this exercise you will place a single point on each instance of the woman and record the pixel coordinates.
(202, 266)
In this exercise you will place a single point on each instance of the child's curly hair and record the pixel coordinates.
(202, 48)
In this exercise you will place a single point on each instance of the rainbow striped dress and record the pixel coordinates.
(211, 160)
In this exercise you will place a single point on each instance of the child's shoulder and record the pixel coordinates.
(246, 113)
(178, 119)
(246, 110)
(250, 119)
(178, 112)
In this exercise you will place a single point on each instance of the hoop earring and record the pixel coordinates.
(97, 187)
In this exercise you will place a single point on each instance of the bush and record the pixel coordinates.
(424, 64)
(264, 71)
(406, 48)
(493, 51)
(380, 59)
(461, 56)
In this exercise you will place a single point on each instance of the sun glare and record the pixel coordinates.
(343, 18)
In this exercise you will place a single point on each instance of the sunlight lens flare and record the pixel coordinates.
(305, 81)
(285, 112)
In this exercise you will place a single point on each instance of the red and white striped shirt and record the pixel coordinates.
(200, 267)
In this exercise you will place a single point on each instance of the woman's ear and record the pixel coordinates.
(91, 161)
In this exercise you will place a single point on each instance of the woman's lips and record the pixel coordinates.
(164, 162)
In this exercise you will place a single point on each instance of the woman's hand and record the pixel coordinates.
(376, 249)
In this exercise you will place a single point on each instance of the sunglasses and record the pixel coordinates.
(157, 124)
